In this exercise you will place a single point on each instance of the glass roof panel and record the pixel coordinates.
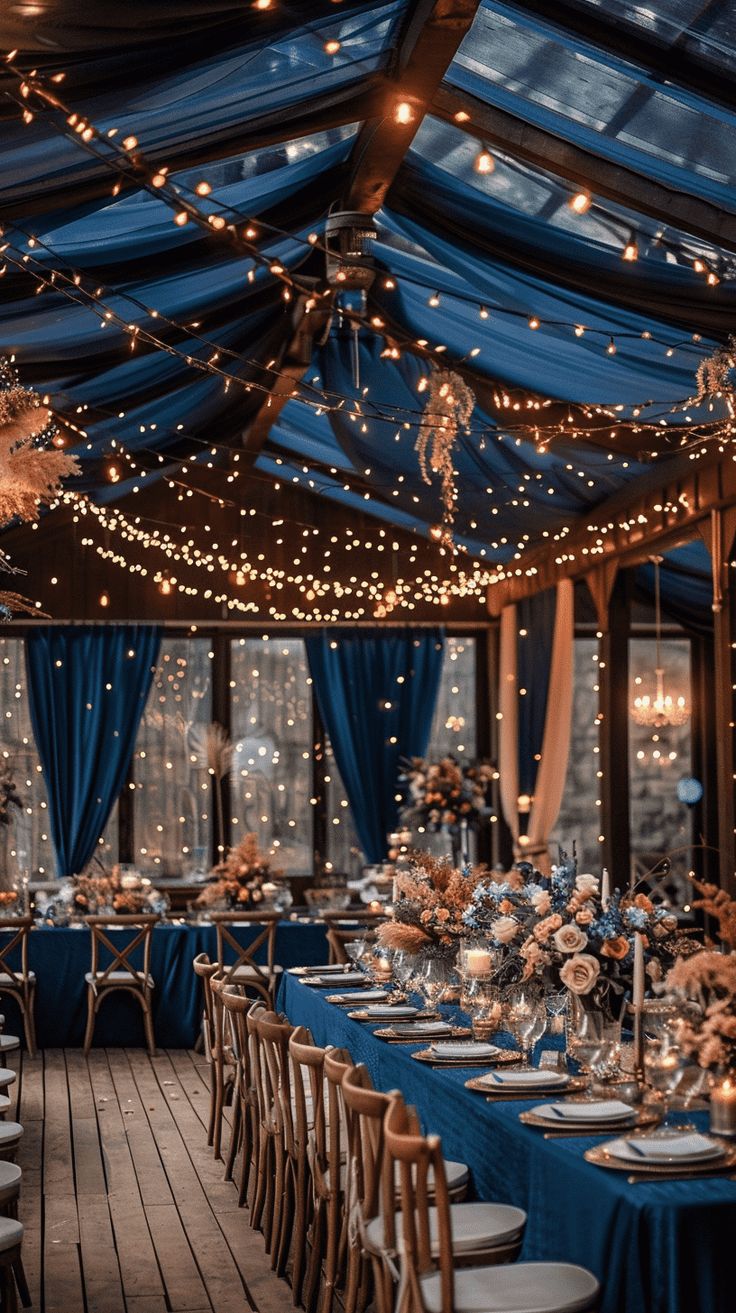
(703, 31)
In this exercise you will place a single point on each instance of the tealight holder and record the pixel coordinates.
(723, 1105)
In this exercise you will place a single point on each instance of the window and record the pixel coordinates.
(579, 821)
(658, 758)
(173, 789)
(453, 731)
(271, 778)
(26, 841)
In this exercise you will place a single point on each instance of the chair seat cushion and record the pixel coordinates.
(457, 1174)
(8, 1042)
(4, 1103)
(117, 978)
(516, 1288)
(11, 981)
(9, 1132)
(10, 1179)
(11, 1233)
(7, 1077)
(474, 1227)
(245, 972)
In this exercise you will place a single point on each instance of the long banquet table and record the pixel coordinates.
(60, 956)
(661, 1247)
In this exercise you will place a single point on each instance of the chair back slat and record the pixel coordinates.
(205, 970)
(22, 927)
(245, 953)
(120, 957)
(366, 1108)
(422, 1178)
(274, 1035)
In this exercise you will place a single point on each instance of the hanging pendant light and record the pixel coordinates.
(661, 708)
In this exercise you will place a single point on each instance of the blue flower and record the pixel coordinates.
(636, 918)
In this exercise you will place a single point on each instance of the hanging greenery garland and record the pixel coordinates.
(448, 409)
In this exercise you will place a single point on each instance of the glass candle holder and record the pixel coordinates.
(723, 1105)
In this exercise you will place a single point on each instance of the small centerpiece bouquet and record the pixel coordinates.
(430, 902)
(238, 882)
(444, 793)
(705, 985)
(98, 892)
(559, 930)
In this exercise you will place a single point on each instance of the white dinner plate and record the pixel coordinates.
(381, 1011)
(585, 1113)
(328, 982)
(538, 1079)
(422, 1029)
(667, 1150)
(456, 1049)
(334, 968)
(363, 996)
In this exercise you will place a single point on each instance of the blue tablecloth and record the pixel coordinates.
(656, 1248)
(60, 956)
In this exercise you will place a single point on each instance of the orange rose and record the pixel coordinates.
(644, 903)
(616, 948)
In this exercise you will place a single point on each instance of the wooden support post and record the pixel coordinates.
(502, 844)
(703, 736)
(613, 710)
(723, 690)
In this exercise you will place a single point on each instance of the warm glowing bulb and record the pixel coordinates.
(165, 587)
(404, 112)
(130, 143)
(534, 322)
(261, 4)
(699, 267)
(713, 280)
(461, 116)
(434, 300)
(630, 251)
(580, 202)
(104, 599)
(203, 188)
(181, 218)
(158, 180)
(332, 47)
(611, 348)
(484, 162)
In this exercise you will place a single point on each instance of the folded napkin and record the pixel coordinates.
(526, 1079)
(675, 1146)
(600, 1110)
(423, 1028)
(364, 996)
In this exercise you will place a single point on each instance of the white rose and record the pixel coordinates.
(580, 973)
(587, 884)
(541, 902)
(504, 928)
(569, 939)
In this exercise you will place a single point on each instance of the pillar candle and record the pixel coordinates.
(638, 983)
(605, 887)
(478, 962)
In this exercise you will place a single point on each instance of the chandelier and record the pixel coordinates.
(662, 708)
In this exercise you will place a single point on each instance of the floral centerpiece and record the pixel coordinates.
(103, 893)
(430, 902)
(238, 882)
(445, 793)
(558, 930)
(705, 983)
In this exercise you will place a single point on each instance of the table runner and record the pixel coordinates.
(656, 1248)
(60, 956)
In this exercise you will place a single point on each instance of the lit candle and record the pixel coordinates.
(605, 887)
(723, 1106)
(638, 983)
(477, 962)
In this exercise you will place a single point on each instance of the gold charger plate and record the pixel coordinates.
(639, 1117)
(387, 1032)
(559, 1091)
(362, 1015)
(600, 1157)
(503, 1056)
(341, 1001)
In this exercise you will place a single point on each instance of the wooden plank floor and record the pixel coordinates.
(125, 1208)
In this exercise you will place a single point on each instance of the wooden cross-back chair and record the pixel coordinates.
(329, 1236)
(120, 973)
(217, 1048)
(245, 1129)
(308, 1143)
(345, 928)
(245, 971)
(273, 1072)
(19, 984)
(256, 1107)
(431, 1279)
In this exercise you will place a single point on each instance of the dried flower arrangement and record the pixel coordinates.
(443, 793)
(706, 985)
(431, 897)
(239, 880)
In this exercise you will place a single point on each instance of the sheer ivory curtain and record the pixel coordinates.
(552, 767)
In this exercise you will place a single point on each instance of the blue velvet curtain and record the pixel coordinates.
(87, 688)
(376, 694)
(536, 617)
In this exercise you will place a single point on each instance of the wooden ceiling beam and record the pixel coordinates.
(656, 512)
(432, 32)
(583, 169)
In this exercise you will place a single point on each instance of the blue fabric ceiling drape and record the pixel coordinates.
(376, 694)
(87, 689)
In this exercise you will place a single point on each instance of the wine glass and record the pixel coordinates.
(586, 1039)
(528, 1019)
(556, 1004)
(355, 950)
(431, 982)
(664, 1066)
(486, 1011)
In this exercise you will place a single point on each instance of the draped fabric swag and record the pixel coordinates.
(88, 687)
(536, 655)
(376, 695)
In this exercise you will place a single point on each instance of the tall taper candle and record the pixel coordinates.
(637, 1000)
(605, 887)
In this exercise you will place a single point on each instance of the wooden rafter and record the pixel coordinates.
(655, 512)
(433, 30)
(585, 170)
